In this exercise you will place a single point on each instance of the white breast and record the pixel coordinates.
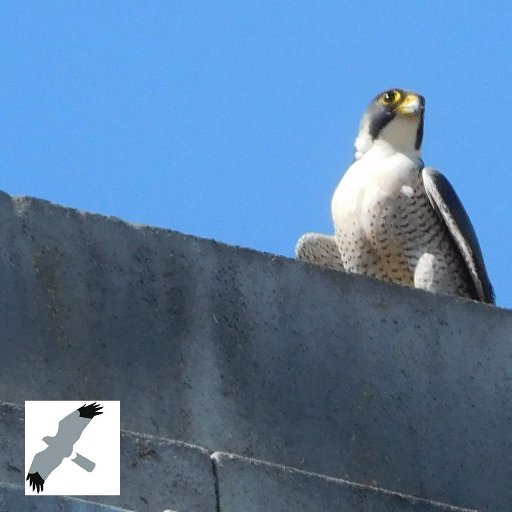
(381, 175)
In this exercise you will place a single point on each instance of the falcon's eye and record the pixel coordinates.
(390, 97)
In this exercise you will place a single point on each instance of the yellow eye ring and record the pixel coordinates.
(390, 97)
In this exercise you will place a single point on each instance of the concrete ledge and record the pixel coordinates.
(156, 474)
(12, 498)
(159, 474)
(262, 356)
(255, 486)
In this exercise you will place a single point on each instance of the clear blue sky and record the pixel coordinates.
(235, 120)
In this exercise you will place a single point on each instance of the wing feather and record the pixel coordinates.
(445, 201)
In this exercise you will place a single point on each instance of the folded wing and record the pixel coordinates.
(447, 204)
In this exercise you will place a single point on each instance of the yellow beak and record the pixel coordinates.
(411, 105)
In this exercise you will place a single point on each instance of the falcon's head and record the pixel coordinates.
(393, 118)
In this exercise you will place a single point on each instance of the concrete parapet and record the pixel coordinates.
(12, 498)
(262, 356)
(156, 474)
(253, 486)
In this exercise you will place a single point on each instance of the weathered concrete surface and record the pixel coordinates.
(13, 499)
(242, 352)
(12, 444)
(255, 486)
(156, 474)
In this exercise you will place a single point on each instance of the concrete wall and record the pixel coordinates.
(243, 352)
(159, 475)
(254, 486)
(13, 499)
(156, 474)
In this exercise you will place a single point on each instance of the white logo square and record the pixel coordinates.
(72, 447)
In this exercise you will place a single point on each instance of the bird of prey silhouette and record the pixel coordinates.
(61, 446)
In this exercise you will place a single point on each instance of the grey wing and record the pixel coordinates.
(46, 461)
(70, 430)
(318, 249)
(445, 201)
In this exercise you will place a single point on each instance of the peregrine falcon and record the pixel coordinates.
(394, 218)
